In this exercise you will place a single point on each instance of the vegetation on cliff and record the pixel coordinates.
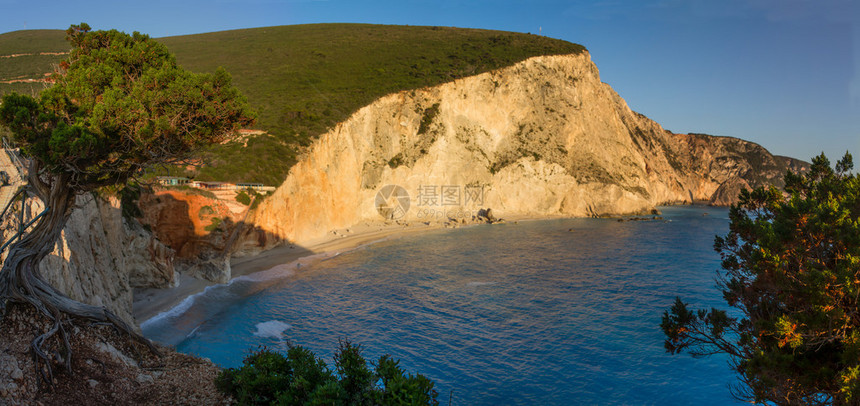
(119, 105)
(304, 79)
(791, 271)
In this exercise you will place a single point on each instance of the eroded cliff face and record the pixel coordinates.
(196, 227)
(543, 137)
(100, 257)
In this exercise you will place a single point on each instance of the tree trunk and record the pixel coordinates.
(20, 280)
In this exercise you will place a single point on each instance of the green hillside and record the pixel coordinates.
(20, 59)
(304, 79)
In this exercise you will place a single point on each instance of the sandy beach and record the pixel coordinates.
(150, 302)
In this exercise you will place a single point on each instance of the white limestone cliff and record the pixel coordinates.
(542, 137)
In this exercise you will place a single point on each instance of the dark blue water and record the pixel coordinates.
(543, 312)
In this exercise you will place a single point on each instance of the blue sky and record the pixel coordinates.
(783, 73)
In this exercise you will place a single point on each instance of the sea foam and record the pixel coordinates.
(174, 311)
(273, 273)
(271, 328)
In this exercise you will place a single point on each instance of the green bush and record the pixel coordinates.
(259, 198)
(242, 197)
(301, 378)
(427, 118)
(205, 211)
(128, 198)
(215, 225)
(251, 197)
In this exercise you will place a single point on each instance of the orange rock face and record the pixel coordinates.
(187, 222)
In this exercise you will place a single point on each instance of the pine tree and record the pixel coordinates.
(791, 271)
(119, 104)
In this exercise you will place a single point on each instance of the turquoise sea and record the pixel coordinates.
(553, 312)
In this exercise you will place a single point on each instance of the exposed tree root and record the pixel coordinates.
(109, 367)
(21, 282)
(59, 308)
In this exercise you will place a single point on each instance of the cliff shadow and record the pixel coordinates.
(212, 240)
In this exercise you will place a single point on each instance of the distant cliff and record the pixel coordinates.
(542, 137)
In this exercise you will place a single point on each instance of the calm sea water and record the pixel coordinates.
(551, 312)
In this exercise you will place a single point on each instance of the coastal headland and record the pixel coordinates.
(539, 137)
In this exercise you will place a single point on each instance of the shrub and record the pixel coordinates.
(215, 225)
(259, 380)
(242, 197)
(301, 378)
(396, 161)
(259, 199)
(205, 211)
(128, 198)
(427, 118)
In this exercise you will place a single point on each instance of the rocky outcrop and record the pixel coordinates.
(109, 368)
(183, 220)
(543, 137)
(728, 192)
(101, 257)
(196, 226)
(213, 267)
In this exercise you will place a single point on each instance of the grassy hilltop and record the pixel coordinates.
(28, 64)
(304, 79)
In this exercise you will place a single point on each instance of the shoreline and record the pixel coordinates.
(149, 303)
